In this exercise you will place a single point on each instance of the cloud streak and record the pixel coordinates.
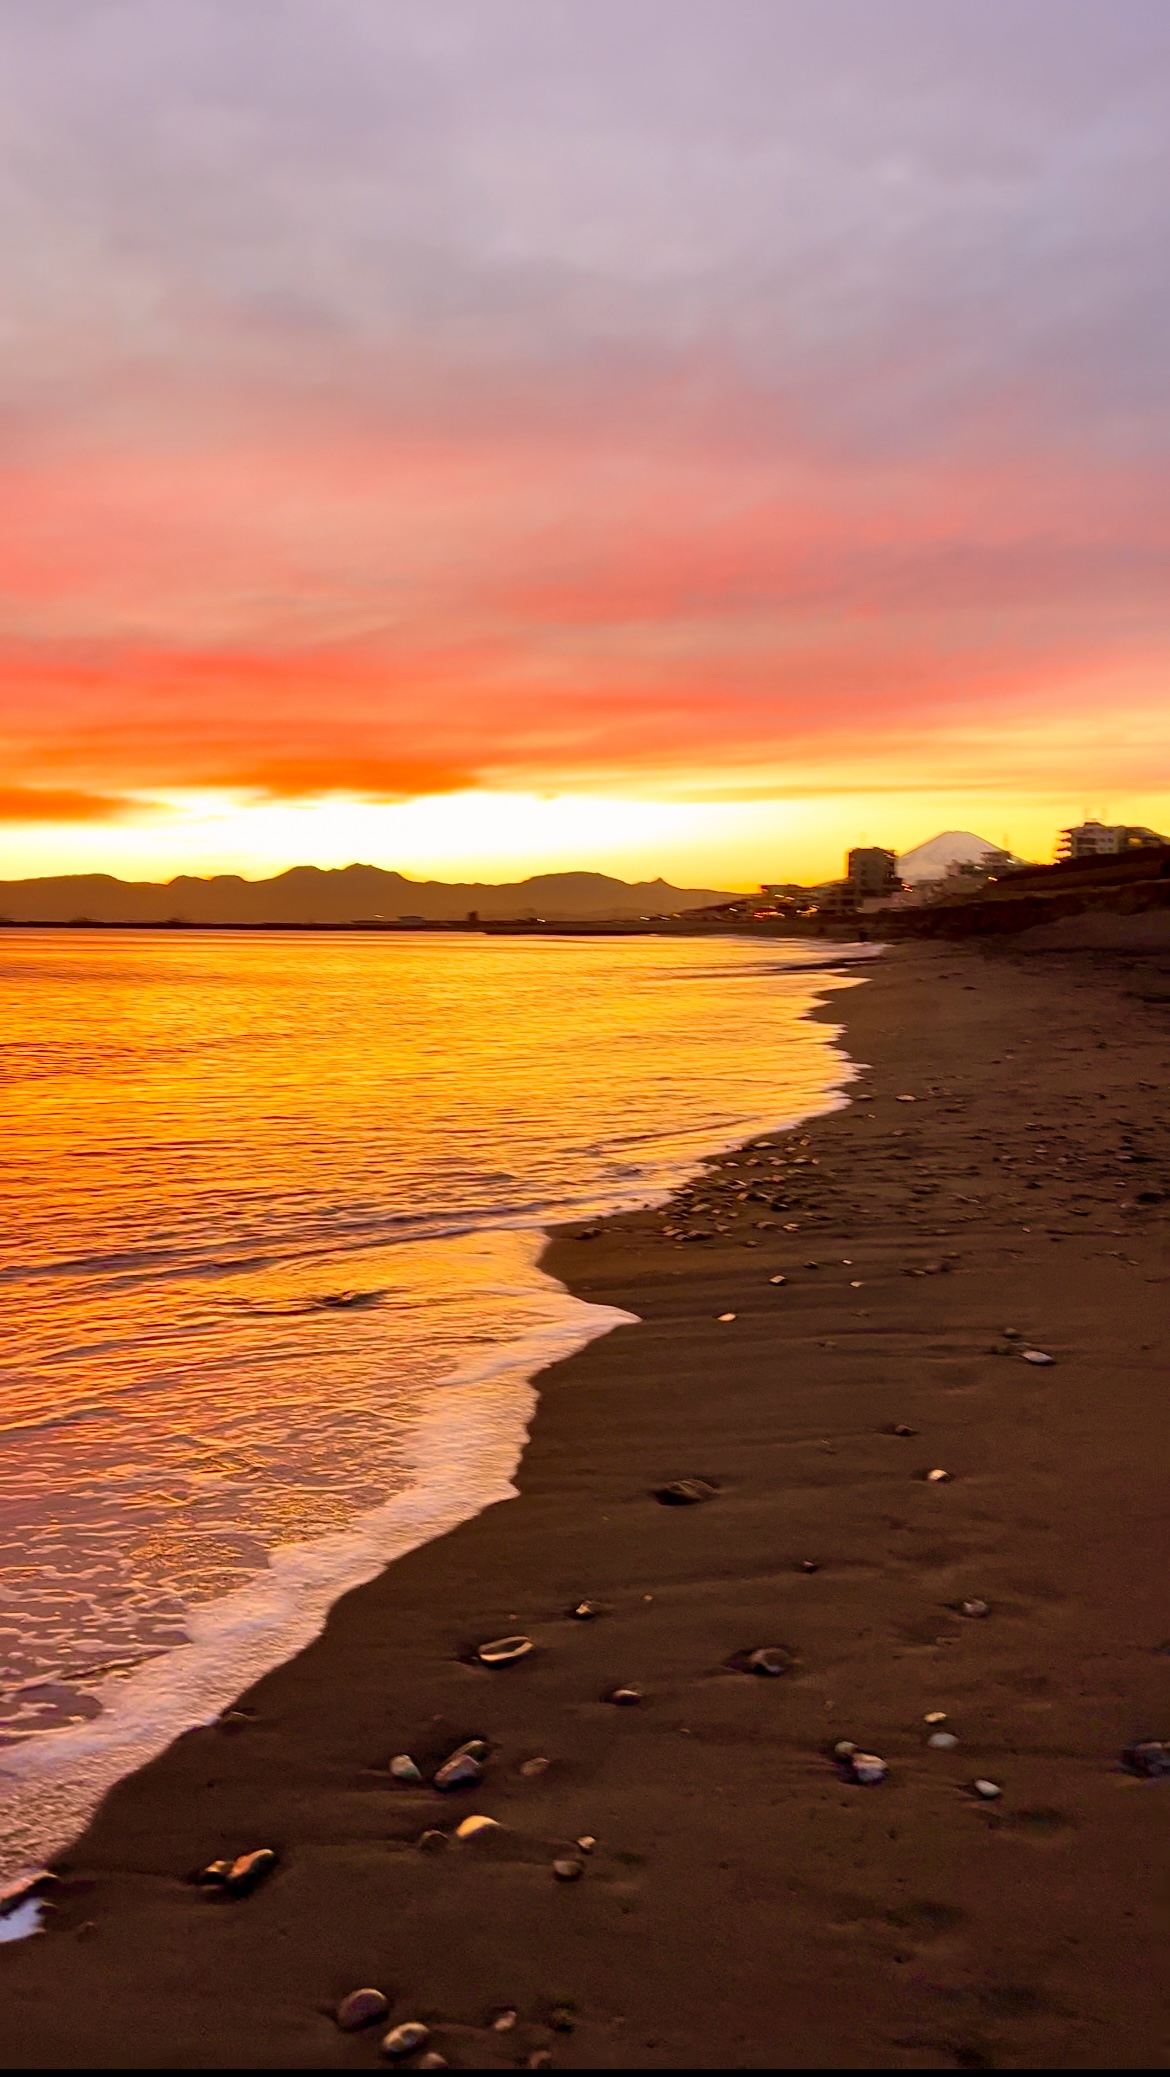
(399, 400)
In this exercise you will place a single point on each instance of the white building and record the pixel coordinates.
(1105, 839)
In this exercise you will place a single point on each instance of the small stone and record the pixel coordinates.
(432, 2060)
(724, 1317)
(1149, 1757)
(214, 1876)
(562, 2019)
(987, 1791)
(586, 1843)
(906, 1099)
(504, 1651)
(461, 1771)
(810, 1564)
(935, 1716)
(777, 1279)
(867, 1768)
(938, 1478)
(684, 1492)
(625, 1698)
(1012, 1333)
(531, 1768)
(361, 2009)
(812, 1265)
(406, 2039)
(855, 1285)
(793, 1226)
(504, 2020)
(899, 1428)
(586, 1611)
(433, 1841)
(943, 1741)
(568, 1871)
(248, 1870)
(769, 1661)
(403, 1768)
(476, 1827)
(540, 2059)
(975, 1609)
(844, 1749)
(1037, 1356)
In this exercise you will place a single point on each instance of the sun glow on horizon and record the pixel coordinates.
(494, 836)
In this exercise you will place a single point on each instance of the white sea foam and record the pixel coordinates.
(464, 1451)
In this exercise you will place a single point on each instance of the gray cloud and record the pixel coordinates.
(905, 221)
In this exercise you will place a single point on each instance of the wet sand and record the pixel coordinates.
(744, 1906)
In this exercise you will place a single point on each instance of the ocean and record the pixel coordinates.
(270, 1219)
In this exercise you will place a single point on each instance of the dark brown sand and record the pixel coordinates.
(744, 1906)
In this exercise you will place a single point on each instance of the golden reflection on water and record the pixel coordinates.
(262, 1194)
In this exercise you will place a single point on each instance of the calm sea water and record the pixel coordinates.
(269, 1223)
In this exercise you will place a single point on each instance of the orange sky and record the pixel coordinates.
(479, 441)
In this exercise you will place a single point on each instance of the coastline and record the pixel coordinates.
(743, 1906)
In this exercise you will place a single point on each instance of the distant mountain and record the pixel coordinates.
(349, 894)
(929, 861)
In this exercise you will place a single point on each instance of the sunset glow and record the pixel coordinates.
(490, 439)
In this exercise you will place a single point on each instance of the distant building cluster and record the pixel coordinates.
(945, 870)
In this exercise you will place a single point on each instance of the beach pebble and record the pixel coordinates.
(1148, 1756)
(504, 2020)
(810, 1564)
(586, 1843)
(249, 1869)
(361, 2009)
(432, 2060)
(899, 1428)
(568, 1871)
(943, 1741)
(777, 1279)
(585, 1611)
(906, 1099)
(1037, 1356)
(987, 1791)
(476, 1827)
(975, 1609)
(433, 1841)
(531, 1768)
(504, 1651)
(406, 2039)
(684, 1492)
(214, 1875)
(938, 1478)
(724, 1317)
(624, 1697)
(867, 1768)
(935, 1716)
(403, 1768)
(540, 2059)
(461, 1771)
(844, 1749)
(769, 1660)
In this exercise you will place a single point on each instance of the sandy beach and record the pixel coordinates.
(745, 1904)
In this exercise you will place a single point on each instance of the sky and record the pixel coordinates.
(491, 436)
